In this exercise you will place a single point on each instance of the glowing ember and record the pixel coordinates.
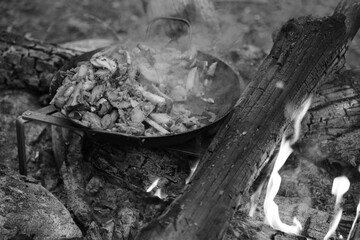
(340, 186)
(153, 185)
(271, 209)
(192, 171)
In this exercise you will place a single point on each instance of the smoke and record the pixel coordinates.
(215, 31)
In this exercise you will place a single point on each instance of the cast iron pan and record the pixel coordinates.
(225, 90)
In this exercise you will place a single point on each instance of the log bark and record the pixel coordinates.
(29, 64)
(304, 51)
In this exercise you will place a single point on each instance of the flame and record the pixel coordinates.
(254, 198)
(298, 116)
(356, 216)
(192, 171)
(340, 186)
(271, 209)
(334, 224)
(355, 220)
(153, 185)
(160, 194)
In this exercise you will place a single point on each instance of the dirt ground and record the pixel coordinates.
(243, 23)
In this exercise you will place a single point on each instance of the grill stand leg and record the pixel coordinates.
(20, 133)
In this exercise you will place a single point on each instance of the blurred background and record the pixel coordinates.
(241, 21)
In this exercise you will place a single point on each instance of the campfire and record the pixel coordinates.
(271, 209)
(153, 142)
(340, 186)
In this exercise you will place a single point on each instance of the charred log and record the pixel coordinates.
(333, 123)
(29, 64)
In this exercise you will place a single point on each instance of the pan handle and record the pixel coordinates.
(182, 20)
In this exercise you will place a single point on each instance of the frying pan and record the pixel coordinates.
(225, 90)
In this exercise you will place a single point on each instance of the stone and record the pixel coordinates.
(29, 209)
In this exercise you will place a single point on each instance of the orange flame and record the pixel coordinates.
(271, 209)
(340, 186)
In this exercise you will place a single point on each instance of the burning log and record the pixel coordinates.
(305, 50)
(333, 124)
(328, 142)
(333, 137)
